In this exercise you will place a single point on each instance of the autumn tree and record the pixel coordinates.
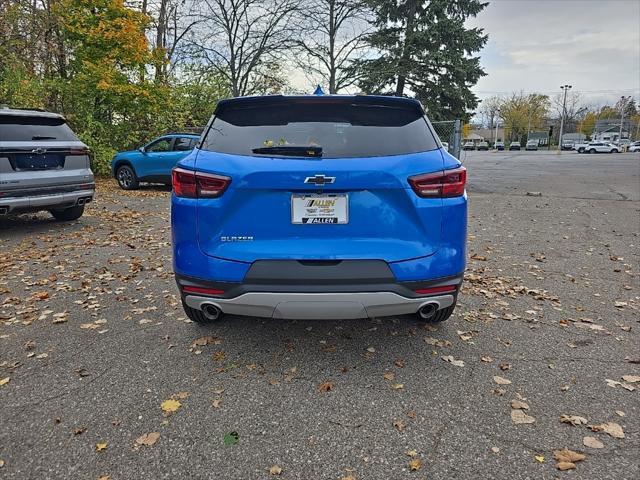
(523, 112)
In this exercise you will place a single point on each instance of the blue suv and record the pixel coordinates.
(319, 207)
(152, 162)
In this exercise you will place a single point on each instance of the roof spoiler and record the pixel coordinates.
(370, 100)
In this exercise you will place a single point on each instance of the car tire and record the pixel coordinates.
(581, 150)
(614, 151)
(440, 316)
(126, 177)
(196, 315)
(67, 214)
(593, 150)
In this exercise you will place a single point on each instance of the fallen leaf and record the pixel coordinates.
(4, 381)
(436, 342)
(566, 455)
(611, 428)
(397, 386)
(631, 378)
(465, 336)
(170, 406)
(216, 403)
(453, 361)
(495, 449)
(519, 405)
(411, 453)
(415, 464)
(231, 438)
(539, 458)
(519, 417)
(325, 387)
(573, 419)
(399, 425)
(389, 376)
(592, 442)
(501, 381)
(565, 466)
(620, 413)
(275, 470)
(486, 359)
(101, 446)
(148, 439)
(371, 350)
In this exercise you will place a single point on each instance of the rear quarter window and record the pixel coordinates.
(341, 130)
(16, 128)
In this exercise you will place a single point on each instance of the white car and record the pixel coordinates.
(634, 147)
(601, 147)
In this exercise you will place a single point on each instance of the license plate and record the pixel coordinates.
(320, 209)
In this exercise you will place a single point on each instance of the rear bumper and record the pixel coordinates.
(35, 202)
(319, 298)
(317, 306)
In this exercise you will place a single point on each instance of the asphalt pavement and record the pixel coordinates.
(107, 378)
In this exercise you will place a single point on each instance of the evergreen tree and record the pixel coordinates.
(426, 51)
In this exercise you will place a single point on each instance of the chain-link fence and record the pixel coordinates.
(449, 132)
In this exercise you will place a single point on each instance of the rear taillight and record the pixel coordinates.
(435, 290)
(446, 183)
(190, 184)
(202, 290)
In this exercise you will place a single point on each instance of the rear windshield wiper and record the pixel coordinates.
(290, 150)
(42, 137)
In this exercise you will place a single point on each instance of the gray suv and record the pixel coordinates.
(43, 165)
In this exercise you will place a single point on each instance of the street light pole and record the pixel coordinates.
(623, 104)
(565, 88)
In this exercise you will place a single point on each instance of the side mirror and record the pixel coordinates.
(142, 150)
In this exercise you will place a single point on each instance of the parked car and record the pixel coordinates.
(469, 146)
(634, 147)
(531, 145)
(514, 146)
(499, 145)
(580, 147)
(152, 162)
(568, 145)
(483, 146)
(319, 207)
(43, 165)
(601, 147)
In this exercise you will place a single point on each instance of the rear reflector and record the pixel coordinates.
(446, 183)
(434, 290)
(202, 290)
(191, 184)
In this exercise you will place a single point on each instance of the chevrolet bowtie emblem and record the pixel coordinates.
(320, 180)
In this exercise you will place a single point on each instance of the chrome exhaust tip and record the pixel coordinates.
(80, 201)
(429, 310)
(211, 312)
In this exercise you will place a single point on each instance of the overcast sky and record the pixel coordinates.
(538, 45)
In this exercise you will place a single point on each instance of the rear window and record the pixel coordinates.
(340, 130)
(14, 128)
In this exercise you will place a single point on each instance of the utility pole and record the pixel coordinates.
(565, 88)
(623, 104)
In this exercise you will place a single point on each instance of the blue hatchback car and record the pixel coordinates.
(319, 207)
(152, 162)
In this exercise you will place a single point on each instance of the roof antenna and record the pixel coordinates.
(318, 91)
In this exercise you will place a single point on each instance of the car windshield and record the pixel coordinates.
(18, 128)
(328, 130)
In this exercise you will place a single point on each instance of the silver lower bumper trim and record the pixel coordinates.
(317, 306)
(57, 200)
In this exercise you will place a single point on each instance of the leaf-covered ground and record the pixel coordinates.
(535, 376)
